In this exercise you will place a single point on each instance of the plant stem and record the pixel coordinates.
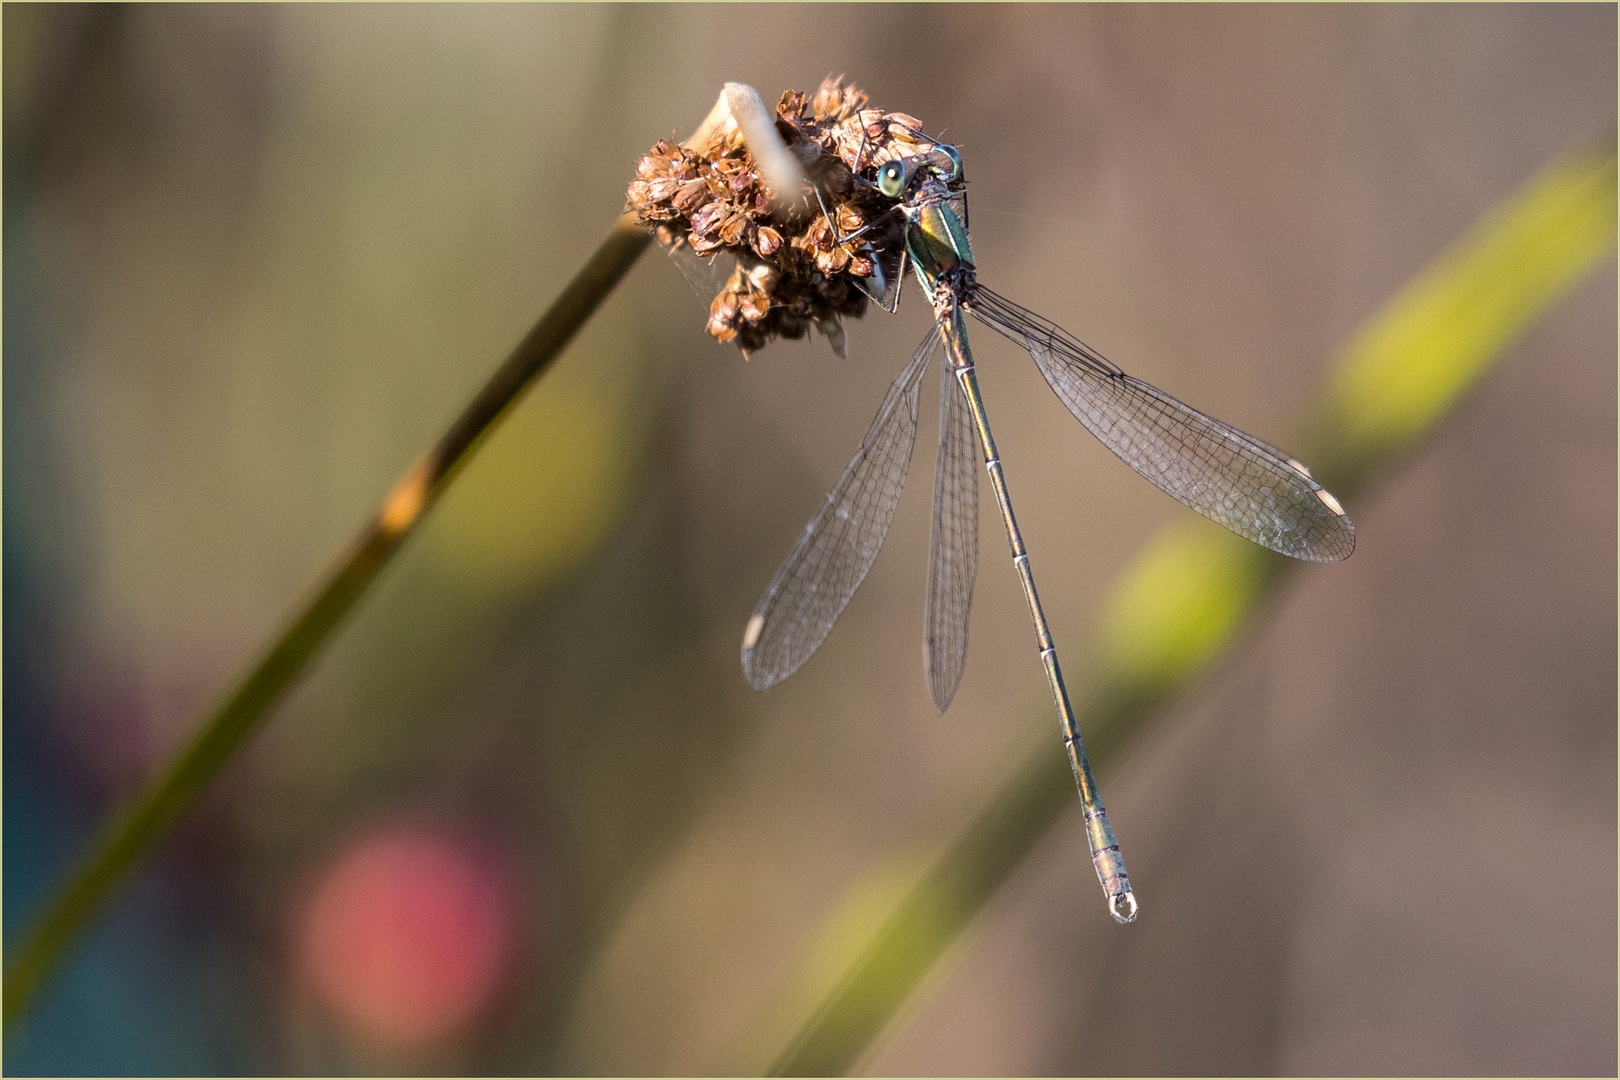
(141, 822)
(139, 825)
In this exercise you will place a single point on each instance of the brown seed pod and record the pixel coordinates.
(791, 273)
(766, 241)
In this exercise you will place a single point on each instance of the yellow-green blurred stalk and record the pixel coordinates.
(142, 822)
(139, 825)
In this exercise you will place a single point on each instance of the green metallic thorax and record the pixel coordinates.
(936, 242)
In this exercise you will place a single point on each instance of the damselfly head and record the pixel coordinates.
(901, 178)
(813, 263)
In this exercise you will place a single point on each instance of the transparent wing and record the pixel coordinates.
(953, 552)
(958, 203)
(706, 274)
(1233, 479)
(838, 546)
(884, 286)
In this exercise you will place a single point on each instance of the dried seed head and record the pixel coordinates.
(837, 101)
(792, 273)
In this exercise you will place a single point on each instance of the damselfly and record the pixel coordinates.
(1234, 479)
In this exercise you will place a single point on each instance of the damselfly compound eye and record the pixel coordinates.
(892, 179)
(956, 164)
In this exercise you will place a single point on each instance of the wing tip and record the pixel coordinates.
(758, 680)
(1336, 544)
(942, 686)
(1346, 537)
(751, 635)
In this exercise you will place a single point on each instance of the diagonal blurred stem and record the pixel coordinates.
(1184, 602)
(138, 825)
(141, 822)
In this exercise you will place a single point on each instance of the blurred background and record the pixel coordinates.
(525, 815)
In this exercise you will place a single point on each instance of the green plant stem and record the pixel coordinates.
(139, 825)
(896, 958)
(1188, 598)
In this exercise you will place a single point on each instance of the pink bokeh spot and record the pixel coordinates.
(407, 935)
